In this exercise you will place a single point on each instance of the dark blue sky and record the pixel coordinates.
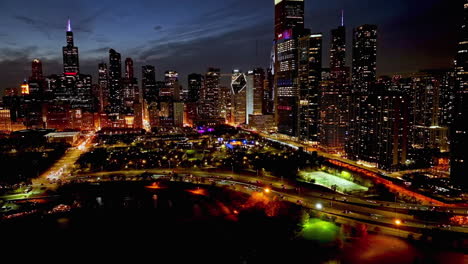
(189, 36)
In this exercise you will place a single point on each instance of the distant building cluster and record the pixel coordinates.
(387, 122)
(392, 123)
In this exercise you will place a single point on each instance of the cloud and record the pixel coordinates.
(158, 28)
(38, 24)
(7, 53)
(98, 50)
(46, 26)
(100, 38)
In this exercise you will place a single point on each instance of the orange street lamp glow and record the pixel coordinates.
(397, 222)
(267, 190)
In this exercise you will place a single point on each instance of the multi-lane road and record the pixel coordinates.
(346, 208)
(394, 218)
(371, 172)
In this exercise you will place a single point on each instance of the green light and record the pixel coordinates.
(319, 230)
(346, 174)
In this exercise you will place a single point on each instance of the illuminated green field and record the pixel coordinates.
(328, 180)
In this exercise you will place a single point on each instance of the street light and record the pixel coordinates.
(397, 222)
(267, 190)
(319, 206)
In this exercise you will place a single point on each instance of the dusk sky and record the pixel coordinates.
(189, 36)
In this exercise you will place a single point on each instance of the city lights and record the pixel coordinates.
(211, 124)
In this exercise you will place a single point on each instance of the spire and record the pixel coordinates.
(342, 17)
(69, 29)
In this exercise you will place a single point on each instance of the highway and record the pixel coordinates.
(351, 209)
(369, 171)
(348, 209)
(344, 210)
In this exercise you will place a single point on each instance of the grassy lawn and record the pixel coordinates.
(328, 180)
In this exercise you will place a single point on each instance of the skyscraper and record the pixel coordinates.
(459, 130)
(269, 94)
(36, 70)
(148, 83)
(361, 136)
(71, 65)
(289, 14)
(391, 128)
(335, 95)
(239, 97)
(129, 73)
(172, 88)
(209, 108)
(131, 91)
(258, 76)
(364, 57)
(36, 80)
(194, 87)
(309, 77)
(338, 47)
(338, 70)
(103, 79)
(289, 25)
(426, 111)
(115, 82)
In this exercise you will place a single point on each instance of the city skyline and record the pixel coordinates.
(337, 125)
(190, 54)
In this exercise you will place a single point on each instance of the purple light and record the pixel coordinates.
(201, 131)
(287, 34)
(69, 29)
(342, 17)
(211, 129)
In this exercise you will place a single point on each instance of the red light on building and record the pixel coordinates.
(285, 108)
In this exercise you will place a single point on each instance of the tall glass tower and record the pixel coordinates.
(71, 65)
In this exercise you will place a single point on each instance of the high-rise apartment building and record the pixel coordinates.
(459, 129)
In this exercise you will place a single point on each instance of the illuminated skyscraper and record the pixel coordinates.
(459, 130)
(131, 91)
(209, 107)
(71, 64)
(194, 86)
(269, 94)
(148, 83)
(289, 25)
(361, 136)
(289, 14)
(239, 97)
(115, 82)
(129, 73)
(172, 88)
(338, 47)
(36, 80)
(309, 77)
(364, 57)
(36, 67)
(258, 82)
(335, 95)
(103, 79)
